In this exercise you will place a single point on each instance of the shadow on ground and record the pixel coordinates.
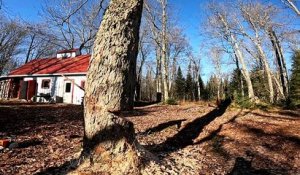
(190, 131)
(244, 167)
(19, 119)
(163, 126)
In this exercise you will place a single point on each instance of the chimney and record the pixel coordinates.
(68, 53)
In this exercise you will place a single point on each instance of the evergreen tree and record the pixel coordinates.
(294, 95)
(260, 83)
(212, 88)
(189, 86)
(237, 85)
(179, 85)
(202, 89)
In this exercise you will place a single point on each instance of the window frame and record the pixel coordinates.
(70, 89)
(43, 83)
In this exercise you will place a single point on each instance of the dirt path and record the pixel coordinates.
(188, 139)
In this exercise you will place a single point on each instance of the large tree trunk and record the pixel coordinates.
(138, 90)
(165, 68)
(109, 140)
(244, 71)
(158, 75)
(267, 70)
(198, 87)
(280, 61)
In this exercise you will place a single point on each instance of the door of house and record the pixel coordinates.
(31, 89)
(68, 92)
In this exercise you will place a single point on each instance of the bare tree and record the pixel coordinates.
(178, 47)
(254, 19)
(75, 21)
(39, 42)
(216, 56)
(153, 20)
(196, 64)
(222, 27)
(164, 59)
(144, 51)
(109, 141)
(169, 41)
(11, 38)
(291, 4)
(280, 60)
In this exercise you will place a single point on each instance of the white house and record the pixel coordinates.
(60, 79)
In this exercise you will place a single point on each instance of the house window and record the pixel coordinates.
(68, 87)
(46, 84)
(82, 84)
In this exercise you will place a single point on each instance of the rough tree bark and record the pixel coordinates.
(280, 60)
(109, 141)
(165, 68)
(158, 75)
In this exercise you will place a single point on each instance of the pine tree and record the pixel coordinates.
(202, 89)
(294, 95)
(189, 86)
(212, 88)
(237, 85)
(179, 85)
(259, 83)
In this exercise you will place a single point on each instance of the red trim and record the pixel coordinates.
(68, 51)
(82, 84)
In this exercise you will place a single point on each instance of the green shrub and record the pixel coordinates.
(171, 101)
(244, 102)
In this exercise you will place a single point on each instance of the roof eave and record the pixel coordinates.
(43, 75)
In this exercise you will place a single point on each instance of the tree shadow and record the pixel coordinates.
(214, 133)
(163, 126)
(295, 113)
(29, 143)
(290, 117)
(90, 144)
(244, 167)
(180, 140)
(17, 119)
(63, 169)
(139, 111)
(191, 131)
(144, 103)
(260, 132)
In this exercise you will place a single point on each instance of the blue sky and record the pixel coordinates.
(189, 13)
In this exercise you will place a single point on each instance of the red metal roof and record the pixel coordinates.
(77, 64)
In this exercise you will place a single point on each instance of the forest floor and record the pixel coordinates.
(191, 138)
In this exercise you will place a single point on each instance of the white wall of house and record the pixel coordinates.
(61, 89)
